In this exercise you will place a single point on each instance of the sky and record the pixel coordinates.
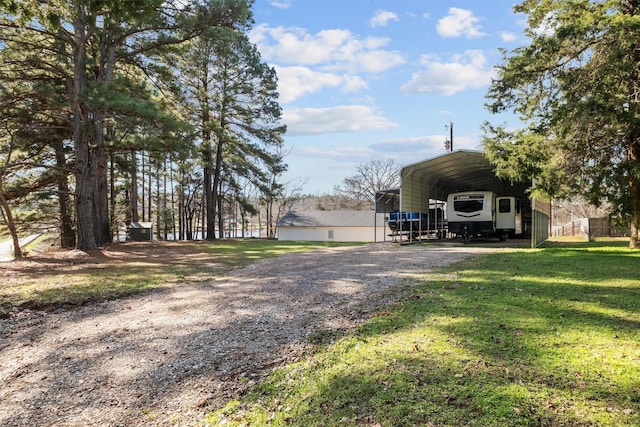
(365, 80)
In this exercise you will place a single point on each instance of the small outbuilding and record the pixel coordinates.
(141, 231)
(332, 226)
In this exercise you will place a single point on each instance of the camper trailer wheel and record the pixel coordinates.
(466, 238)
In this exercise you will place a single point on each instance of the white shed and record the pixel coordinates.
(333, 226)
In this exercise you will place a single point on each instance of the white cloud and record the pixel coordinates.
(508, 37)
(459, 23)
(294, 82)
(547, 25)
(329, 50)
(466, 71)
(382, 18)
(416, 144)
(376, 61)
(343, 118)
(407, 150)
(281, 4)
(353, 155)
(352, 84)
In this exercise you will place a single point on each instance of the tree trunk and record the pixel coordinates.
(220, 216)
(181, 205)
(142, 197)
(67, 234)
(83, 170)
(134, 186)
(99, 163)
(217, 173)
(164, 200)
(112, 194)
(199, 216)
(634, 191)
(209, 198)
(172, 180)
(150, 196)
(6, 211)
(159, 211)
(107, 62)
(243, 219)
(84, 191)
(209, 184)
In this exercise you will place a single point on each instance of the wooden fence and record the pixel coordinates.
(590, 228)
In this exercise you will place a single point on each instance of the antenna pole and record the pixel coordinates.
(448, 144)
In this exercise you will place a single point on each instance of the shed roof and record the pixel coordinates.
(330, 219)
(140, 224)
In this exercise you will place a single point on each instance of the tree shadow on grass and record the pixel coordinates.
(552, 344)
(568, 344)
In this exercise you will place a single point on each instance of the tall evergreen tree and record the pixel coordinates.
(232, 99)
(98, 37)
(34, 114)
(576, 86)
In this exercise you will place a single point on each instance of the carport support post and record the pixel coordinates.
(402, 181)
(375, 224)
(375, 219)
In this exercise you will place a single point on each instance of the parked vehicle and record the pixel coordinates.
(483, 214)
(417, 224)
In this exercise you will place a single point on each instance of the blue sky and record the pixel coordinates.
(364, 80)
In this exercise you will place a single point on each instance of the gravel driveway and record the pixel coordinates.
(168, 356)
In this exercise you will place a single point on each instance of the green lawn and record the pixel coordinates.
(530, 337)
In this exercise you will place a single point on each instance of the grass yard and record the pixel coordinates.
(529, 337)
(50, 279)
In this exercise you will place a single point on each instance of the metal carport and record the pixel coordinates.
(463, 170)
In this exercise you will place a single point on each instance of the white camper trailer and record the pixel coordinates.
(483, 213)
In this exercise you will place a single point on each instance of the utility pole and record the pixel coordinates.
(448, 144)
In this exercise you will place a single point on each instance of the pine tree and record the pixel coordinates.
(576, 87)
(231, 98)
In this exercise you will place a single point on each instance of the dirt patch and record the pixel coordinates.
(167, 356)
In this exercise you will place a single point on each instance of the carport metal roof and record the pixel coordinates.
(461, 170)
